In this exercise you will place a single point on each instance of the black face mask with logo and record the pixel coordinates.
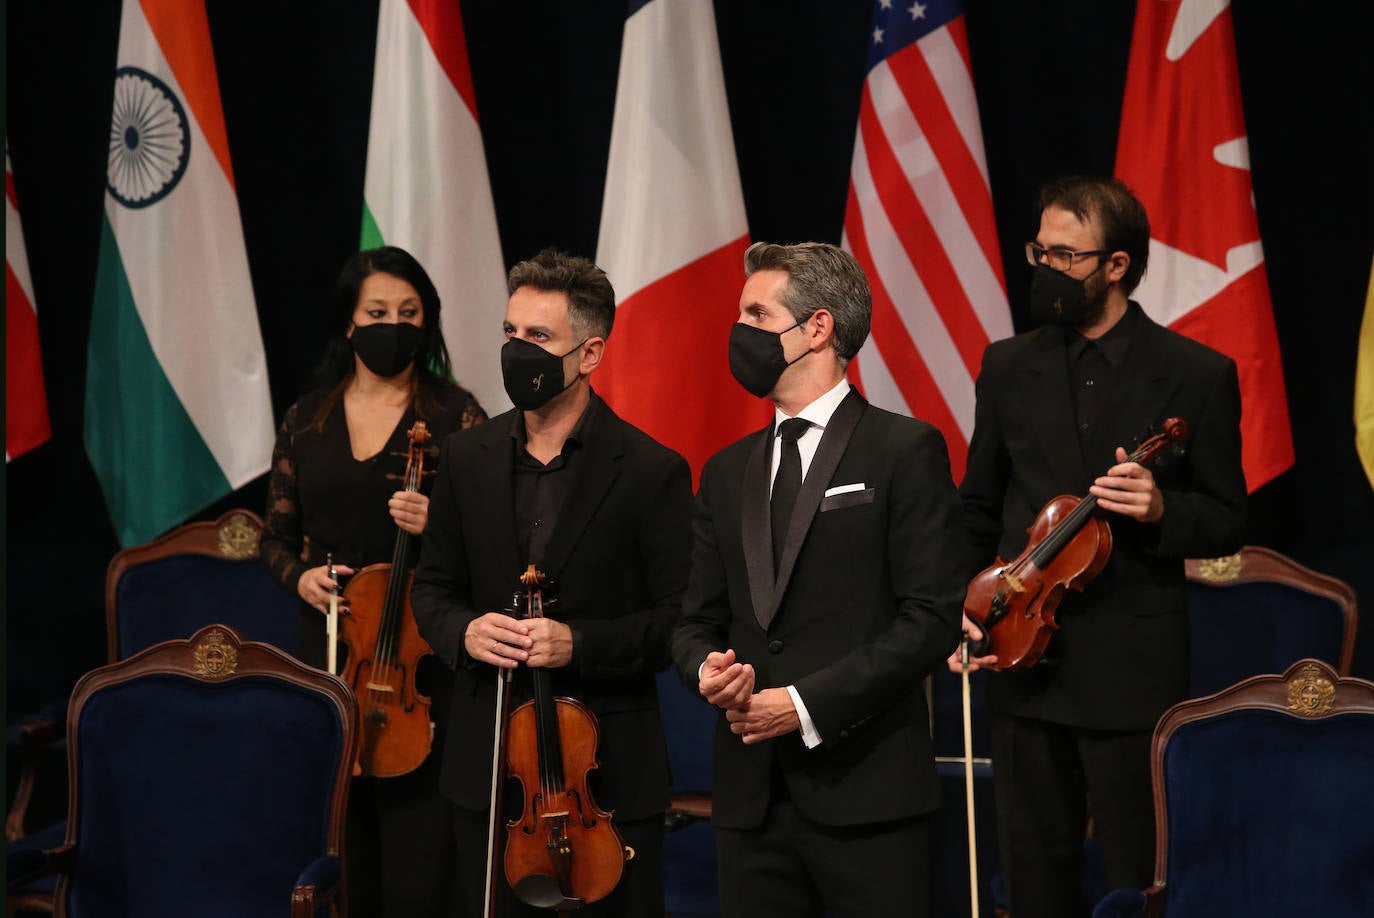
(757, 360)
(1057, 298)
(386, 348)
(532, 375)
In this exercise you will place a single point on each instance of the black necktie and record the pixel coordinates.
(787, 483)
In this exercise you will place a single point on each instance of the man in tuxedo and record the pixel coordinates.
(561, 482)
(1057, 409)
(825, 587)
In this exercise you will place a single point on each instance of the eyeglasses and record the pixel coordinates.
(1058, 259)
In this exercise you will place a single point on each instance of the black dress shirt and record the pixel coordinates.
(542, 490)
(1094, 365)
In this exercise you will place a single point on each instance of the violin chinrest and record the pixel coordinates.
(542, 891)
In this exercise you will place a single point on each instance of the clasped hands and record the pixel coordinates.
(500, 640)
(754, 717)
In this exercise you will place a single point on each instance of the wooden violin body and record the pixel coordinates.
(563, 851)
(560, 825)
(1014, 603)
(382, 660)
(385, 649)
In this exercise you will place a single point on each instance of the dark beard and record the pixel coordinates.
(1097, 305)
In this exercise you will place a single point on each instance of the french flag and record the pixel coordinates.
(673, 236)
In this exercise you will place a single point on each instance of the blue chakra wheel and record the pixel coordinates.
(150, 139)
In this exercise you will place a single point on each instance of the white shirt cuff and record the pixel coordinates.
(810, 736)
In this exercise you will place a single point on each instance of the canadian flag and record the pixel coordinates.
(1183, 151)
(26, 406)
(673, 235)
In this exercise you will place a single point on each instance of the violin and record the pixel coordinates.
(1014, 604)
(562, 851)
(385, 649)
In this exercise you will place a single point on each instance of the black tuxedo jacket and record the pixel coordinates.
(1121, 655)
(618, 558)
(866, 604)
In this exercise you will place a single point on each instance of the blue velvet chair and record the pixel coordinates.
(690, 883)
(209, 777)
(1257, 612)
(194, 575)
(1262, 802)
(165, 589)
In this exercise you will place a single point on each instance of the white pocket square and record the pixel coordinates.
(844, 489)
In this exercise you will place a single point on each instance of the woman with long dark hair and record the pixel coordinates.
(336, 489)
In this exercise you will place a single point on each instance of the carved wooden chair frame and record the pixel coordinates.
(1309, 689)
(235, 536)
(216, 654)
(1256, 564)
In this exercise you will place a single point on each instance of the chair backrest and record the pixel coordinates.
(689, 726)
(192, 576)
(1257, 612)
(1262, 798)
(689, 849)
(206, 775)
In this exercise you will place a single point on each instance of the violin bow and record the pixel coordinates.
(968, 780)
(331, 621)
(498, 761)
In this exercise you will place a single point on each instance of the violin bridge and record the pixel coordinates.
(379, 687)
(1014, 582)
(562, 814)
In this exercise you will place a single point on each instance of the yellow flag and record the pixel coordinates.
(1364, 387)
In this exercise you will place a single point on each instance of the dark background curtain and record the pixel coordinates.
(296, 81)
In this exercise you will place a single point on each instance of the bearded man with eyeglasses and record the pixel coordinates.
(1058, 408)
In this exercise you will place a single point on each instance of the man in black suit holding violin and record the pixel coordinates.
(825, 587)
(1057, 409)
(562, 482)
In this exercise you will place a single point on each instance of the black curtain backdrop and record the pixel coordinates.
(296, 81)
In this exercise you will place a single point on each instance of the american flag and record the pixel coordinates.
(919, 219)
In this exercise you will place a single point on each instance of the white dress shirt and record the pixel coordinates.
(818, 413)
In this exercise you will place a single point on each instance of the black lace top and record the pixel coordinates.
(321, 499)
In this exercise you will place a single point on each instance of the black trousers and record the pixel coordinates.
(792, 868)
(1047, 779)
(400, 847)
(638, 895)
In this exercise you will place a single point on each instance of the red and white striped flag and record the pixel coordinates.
(673, 235)
(26, 405)
(919, 219)
(1183, 150)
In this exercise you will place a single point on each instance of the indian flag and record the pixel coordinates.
(427, 189)
(177, 406)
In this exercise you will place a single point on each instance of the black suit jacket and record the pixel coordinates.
(865, 606)
(619, 558)
(1121, 655)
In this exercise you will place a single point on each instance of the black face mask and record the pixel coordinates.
(386, 348)
(532, 375)
(1060, 299)
(757, 360)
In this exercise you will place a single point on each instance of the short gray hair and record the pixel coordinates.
(820, 276)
